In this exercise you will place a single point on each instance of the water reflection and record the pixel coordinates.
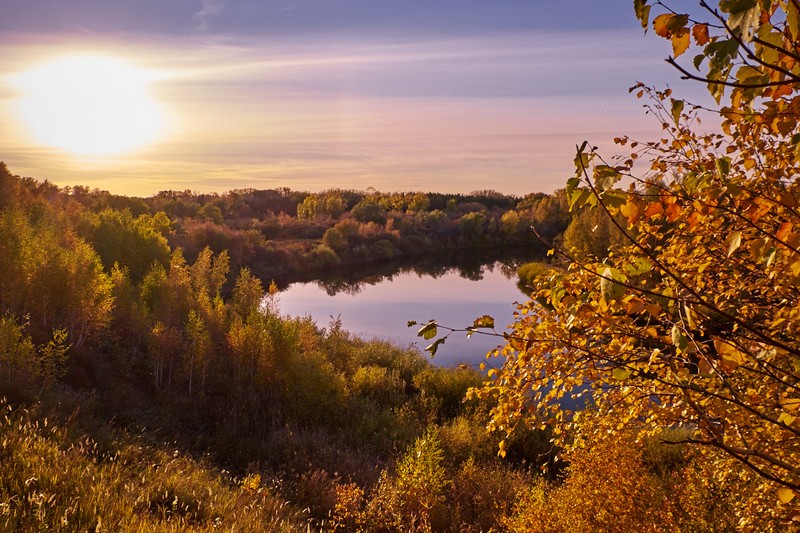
(472, 266)
(379, 301)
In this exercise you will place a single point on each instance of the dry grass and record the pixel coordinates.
(51, 483)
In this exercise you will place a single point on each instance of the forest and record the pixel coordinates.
(136, 327)
(150, 381)
(136, 356)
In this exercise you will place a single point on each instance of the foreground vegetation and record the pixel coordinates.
(192, 402)
(690, 319)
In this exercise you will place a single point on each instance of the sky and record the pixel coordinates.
(412, 95)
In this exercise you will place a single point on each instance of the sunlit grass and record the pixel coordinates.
(49, 482)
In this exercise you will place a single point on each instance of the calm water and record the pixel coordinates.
(380, 305)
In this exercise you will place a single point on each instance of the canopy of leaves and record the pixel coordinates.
(693, 318)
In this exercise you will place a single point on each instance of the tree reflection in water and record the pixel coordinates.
(351, 279)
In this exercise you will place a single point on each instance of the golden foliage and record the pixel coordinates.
(617, 484)
(692, 321)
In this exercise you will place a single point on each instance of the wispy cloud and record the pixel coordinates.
(209, 10)
(312, 112)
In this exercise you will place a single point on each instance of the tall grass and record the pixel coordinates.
(49, 482)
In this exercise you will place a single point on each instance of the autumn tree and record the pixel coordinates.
(331, 203)
(369, 211)
(136, 242)
(693, 318)
(51, 275)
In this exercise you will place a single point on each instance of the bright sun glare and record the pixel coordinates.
(89, 105)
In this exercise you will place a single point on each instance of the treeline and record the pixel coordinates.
(278, 232)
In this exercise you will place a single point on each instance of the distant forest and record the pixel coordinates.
(275, 232)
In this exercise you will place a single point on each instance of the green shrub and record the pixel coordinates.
(369, 211)
(529, 272)
(379, 384)
(324, 257)
(412, 499)
(448, 386)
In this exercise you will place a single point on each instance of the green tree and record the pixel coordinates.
(331, 203)
(418, 202)
(17, 353)
(591, 233)
(88, 299)
(247, 294)
(335, 239)
(51, 363)
(412, 499)
(472, 226)
(50, 274)
(136, 243)
(199, 347)
(369, 211)
(510, 223)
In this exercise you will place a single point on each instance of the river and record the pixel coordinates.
(380, 304)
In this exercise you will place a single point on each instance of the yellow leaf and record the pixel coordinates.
(785, 495)
(660, 25)
(757, 248)
(680, 41)
(787, 419)
(790, 404)
(631, 210)
(517, 344)
(621, 374)
(733, 241)
(731, 356)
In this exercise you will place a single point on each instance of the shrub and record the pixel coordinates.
(379, 384)
(412, 499)
(324, 257)
(529, 272)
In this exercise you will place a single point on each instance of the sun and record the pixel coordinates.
(89, 105)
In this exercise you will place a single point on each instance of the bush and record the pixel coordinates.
(529, 272)
(412, 499)
(379, 384)
(614, 483)
(324, 257)
(369, 211)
